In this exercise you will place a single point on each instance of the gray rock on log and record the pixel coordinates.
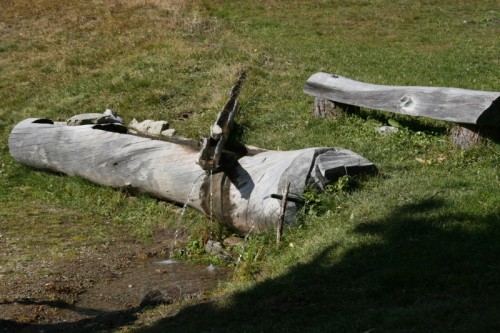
(149, 127)
(169, 133)
(108, 117)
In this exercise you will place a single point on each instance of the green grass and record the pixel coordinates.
(414, 249)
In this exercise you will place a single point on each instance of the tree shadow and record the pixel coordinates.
(415, 124)
(423, 270)
(98, 320)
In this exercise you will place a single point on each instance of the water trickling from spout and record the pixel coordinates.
(211, 206)
(181, 216)
(243, 249)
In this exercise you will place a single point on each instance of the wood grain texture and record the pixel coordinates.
(162, 169)
(211, 150)
(450, 104)
(239, 195)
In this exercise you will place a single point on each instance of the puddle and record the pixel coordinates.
(100, 290)
(165, 280)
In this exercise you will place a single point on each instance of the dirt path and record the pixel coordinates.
(99, 289)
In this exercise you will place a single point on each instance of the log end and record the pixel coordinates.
(334, 163)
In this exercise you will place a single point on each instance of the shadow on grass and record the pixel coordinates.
(431, 270)
(415, 124)
(98, 320)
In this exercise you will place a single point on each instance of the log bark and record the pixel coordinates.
(241, 191)
(324, 108)
(450, 104)
(465, 136)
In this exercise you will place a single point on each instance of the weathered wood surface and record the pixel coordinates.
(212, 147)
(240, 193)
(138, 163)
(451, 104)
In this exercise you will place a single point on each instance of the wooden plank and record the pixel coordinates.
(450, 104)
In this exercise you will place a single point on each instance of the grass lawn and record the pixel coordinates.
(414, 249)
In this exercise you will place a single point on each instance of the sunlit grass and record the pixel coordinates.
(400, 250)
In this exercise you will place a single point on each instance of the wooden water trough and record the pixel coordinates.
(475, 111)
(240, 192)
(246, 188)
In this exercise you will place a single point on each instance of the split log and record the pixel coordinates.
(450, 104)
(213, 146)
(241, 191)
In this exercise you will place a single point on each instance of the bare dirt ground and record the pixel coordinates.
(101, 289)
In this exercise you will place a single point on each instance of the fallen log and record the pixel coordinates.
(239, 194)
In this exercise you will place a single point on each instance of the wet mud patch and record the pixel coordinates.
(151, 282)
(102, 289)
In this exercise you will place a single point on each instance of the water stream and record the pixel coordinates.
(211, 206)
(243, 249)
(181, 216)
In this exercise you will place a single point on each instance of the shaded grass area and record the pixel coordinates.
(412, 250)
(420, 274)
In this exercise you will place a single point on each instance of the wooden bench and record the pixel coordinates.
(474, 111)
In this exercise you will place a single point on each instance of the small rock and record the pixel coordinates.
(108, 117)
(155, 297)
(111, 113)
(142, 255)
(214, 248)
(149, 127)
(133, 123)
(86, 119)
(157, 127)
(233, 241)
(169, 133)
(387, 129)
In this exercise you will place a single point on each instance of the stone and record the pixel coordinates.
(149, 127)
(387, 129)
(214, 248)
(233, 241)
(169, 133)
(108, 117)
(154, 298)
